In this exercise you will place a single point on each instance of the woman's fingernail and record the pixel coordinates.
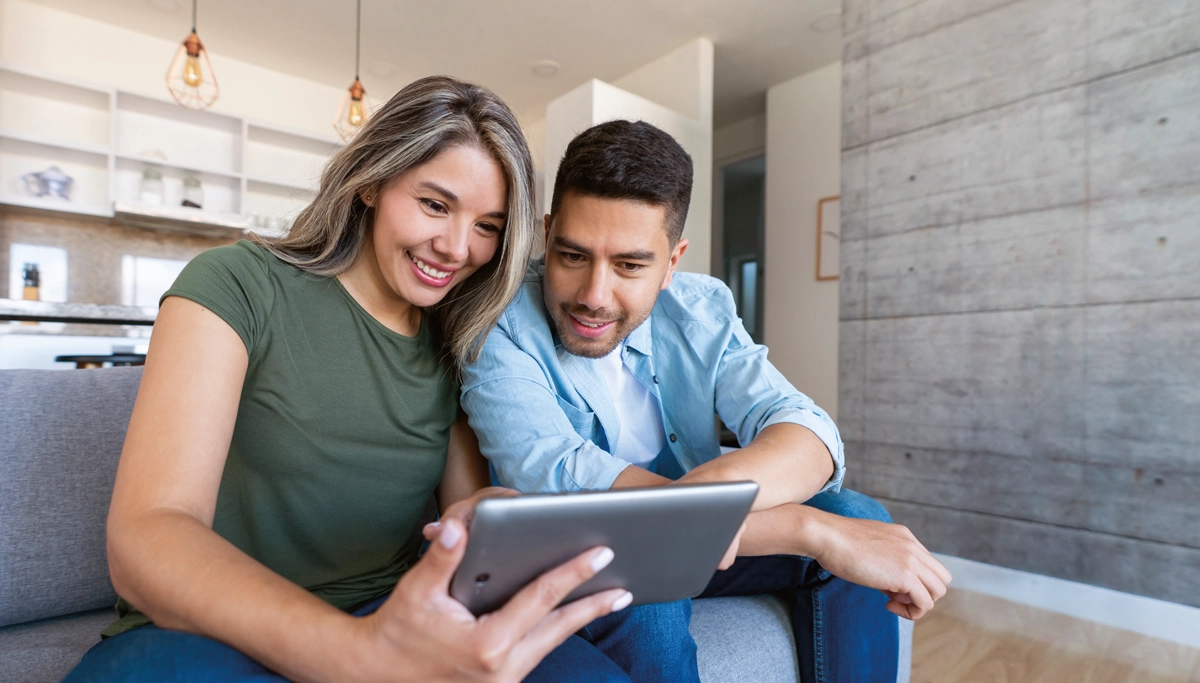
(601, 559)
(449, 536)
(432, 525)
(622, 602)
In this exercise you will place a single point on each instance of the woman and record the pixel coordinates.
(298, 410)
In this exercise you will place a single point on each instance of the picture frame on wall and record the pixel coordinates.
(829, 237)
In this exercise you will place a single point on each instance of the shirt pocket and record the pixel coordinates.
(583, 421)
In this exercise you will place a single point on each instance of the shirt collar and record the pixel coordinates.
(641, 339)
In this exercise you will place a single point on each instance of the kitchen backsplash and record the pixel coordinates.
(104, 261)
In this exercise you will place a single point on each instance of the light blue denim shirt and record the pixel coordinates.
(546, 420)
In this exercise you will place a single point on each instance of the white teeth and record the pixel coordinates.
(429, 270)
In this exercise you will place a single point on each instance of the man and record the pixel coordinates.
(605, 372)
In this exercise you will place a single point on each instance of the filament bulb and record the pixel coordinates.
(192, 75)
(356, 117)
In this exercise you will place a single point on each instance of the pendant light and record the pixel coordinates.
(191, 79)
(355, 107)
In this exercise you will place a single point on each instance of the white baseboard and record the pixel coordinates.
(1147, 616)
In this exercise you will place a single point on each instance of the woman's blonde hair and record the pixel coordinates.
(425, 118)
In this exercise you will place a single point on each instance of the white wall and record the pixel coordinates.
(674, 93)
(739, 139)
(803, 165)
(44, 39)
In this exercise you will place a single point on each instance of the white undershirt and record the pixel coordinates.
(641, 437)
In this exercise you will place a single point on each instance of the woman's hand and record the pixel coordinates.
(464, 509)
(421, 633)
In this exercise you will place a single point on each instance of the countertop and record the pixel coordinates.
(45, 311)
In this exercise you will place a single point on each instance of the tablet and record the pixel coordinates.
(667, 540)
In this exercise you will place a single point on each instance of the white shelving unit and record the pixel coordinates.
(255, 176)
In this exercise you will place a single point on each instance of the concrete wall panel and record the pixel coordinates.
(1129, 33)
(1145, 247)
(1022, 157)
(1144, 129)
(992, 58)
(1143, 397)
(1126, 564)
(1140, 502)
(1007, 382)
(1015, 261)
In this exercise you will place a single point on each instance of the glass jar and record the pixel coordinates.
(152, 186)
(193, 193)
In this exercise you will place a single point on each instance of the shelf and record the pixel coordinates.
(45, 311)
(309, 189)
(104, 138)
(180, 219)
(57, 205)
(50, 141)
(186, 168)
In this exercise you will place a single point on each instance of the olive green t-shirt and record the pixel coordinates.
(341, 431)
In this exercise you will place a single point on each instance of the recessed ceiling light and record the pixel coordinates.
(166, 5)
(381, 68)
(545, 68)
(827, 22)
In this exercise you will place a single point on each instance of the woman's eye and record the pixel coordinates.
(434, 205)
(489, 228)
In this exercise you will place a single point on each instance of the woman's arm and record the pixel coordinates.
(165, 559)
(163, 556)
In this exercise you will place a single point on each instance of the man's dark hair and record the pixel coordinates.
(628, 160)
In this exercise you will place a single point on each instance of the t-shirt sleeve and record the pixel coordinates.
(233, 282)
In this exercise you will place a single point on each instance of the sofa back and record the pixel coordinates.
(61, 433)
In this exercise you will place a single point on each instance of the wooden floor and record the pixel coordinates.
(975, 638)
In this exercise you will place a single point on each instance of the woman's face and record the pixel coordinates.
(438, 223)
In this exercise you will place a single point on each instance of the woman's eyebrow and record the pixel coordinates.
(451, 197)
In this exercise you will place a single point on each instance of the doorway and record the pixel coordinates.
(742, 224)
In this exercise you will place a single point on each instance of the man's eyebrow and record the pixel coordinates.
(638, 255)
(451, 197)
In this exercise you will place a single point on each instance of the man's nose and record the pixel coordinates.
(596, 293)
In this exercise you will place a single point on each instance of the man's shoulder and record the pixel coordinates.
(698, 298)
(526, 311)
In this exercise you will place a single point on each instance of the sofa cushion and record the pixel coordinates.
(744, 639)
(61, 433)
(45, 651)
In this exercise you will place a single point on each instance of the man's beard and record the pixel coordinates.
(594, 348)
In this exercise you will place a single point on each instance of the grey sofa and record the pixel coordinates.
(60, 436)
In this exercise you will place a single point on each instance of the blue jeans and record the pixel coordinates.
(843, 631)
(600, 653)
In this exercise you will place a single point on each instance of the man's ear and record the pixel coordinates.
(676, 254)
(548, 223)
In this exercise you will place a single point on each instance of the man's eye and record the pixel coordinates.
(572, 256)
(434, 205)
(632, 267)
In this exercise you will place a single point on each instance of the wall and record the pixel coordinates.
(49, 40)
(674, 93)
(800, 313)
(1020, 292)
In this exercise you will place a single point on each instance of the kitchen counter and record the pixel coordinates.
(45, 311)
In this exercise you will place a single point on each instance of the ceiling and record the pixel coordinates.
(759, 43)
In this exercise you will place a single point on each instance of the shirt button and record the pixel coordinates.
(656, 379)
(673, 439)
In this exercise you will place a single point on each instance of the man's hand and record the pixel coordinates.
(423, 634)
(879, 555)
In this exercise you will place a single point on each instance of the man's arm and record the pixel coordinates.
(522, 429)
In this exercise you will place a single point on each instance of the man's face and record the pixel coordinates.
(606, 262)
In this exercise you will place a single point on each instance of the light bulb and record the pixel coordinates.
(356, 117)
(192, 74)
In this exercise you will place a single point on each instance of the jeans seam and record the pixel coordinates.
(818, 641)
